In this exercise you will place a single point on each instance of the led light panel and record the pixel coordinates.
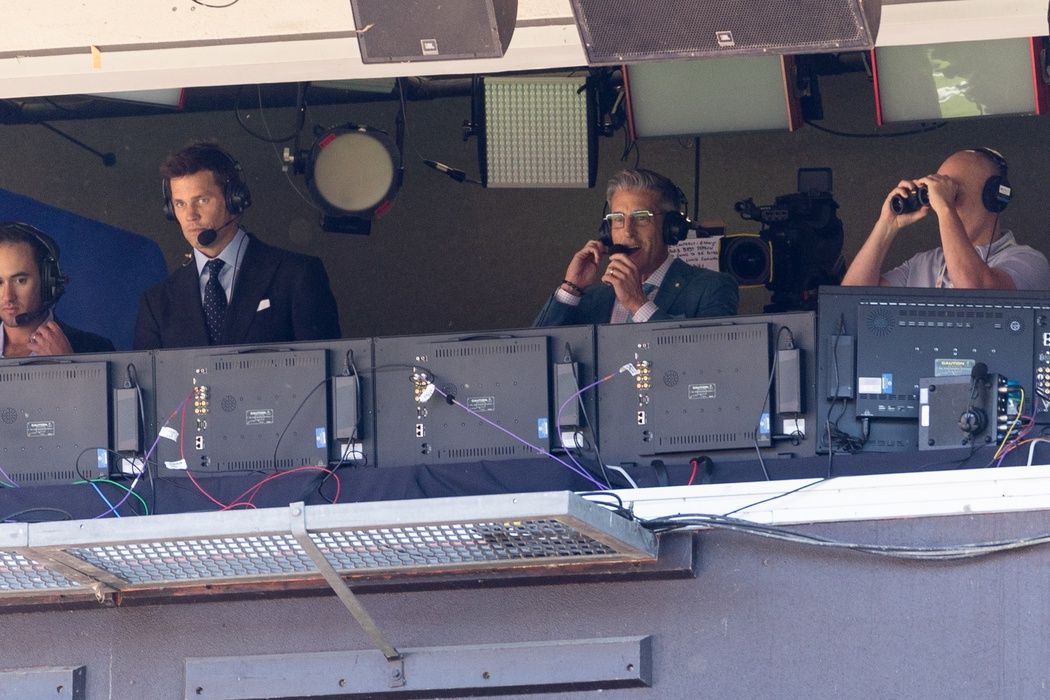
(538, 133)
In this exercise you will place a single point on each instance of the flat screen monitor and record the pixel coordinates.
(508, 389)
(173, 98)
(706, 387)
(710, 96)
(877, 343)
(65, 418)
(958, 79)
(228, 410)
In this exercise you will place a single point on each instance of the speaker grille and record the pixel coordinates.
(627, 32)
(391, 31)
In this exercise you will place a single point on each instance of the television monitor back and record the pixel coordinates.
(704, 387)
(63, 418)
(226, 410)
(878, 342)
(508, 387)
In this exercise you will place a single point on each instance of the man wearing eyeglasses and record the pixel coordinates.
(642, 281)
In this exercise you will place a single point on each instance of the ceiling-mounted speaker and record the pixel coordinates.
(393, 31)
(625, 31)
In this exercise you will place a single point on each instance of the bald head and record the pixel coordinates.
(970, 169)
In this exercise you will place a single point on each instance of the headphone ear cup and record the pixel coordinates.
(605, 233)
(238, 198)
(47, 281)
(996, 194)
(676, 227)
(169, 210)
(52, 281)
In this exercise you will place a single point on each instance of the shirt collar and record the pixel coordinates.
(657, 278)
(231, 254)
(3, 330)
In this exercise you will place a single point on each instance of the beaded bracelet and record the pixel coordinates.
(574, 287)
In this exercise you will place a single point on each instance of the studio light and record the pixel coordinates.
(353, 173)
(538, 132)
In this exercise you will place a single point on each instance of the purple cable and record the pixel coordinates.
(145, 465)
(557, 425)
(525, 442)
(9, 479)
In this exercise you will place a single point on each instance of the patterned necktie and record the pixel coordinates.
(647, 289)
(214, 301)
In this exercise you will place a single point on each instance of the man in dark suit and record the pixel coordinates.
(236, 289)
(642, 282)
(31, 283)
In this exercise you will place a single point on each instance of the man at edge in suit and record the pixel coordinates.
(31, 283)
(237, 289)
(642, 282)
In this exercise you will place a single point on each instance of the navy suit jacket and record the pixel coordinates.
(278, 296)
(686, 292)
(82, 341)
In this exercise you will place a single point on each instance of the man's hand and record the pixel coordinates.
(903, 189)
(48, 339)
(942, 191)
(583, 268)
(623, 276)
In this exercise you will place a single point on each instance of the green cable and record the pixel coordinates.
(145, 508)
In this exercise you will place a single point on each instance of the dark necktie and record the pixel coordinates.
(214, 301)
(647, 289)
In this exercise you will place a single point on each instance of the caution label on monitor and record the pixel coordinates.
(952, 367)
(258, 416)
(40, 428)
(703, 391)
(482, 404)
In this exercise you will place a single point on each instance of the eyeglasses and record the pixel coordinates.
(640, 218)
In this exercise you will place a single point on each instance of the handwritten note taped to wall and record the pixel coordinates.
(701, 252)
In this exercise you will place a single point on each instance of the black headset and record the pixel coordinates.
(235, 190)
(997, 192)
(52, 281)
(676, 222)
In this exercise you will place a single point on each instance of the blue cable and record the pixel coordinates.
(112, 508)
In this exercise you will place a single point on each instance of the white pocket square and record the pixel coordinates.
(263, 305)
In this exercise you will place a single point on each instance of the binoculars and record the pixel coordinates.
(915, 200)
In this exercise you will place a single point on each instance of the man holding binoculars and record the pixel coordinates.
(967, 193)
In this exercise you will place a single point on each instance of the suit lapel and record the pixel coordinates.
(671, 287)
(249, 289)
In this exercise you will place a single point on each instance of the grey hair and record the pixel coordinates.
(646, 181)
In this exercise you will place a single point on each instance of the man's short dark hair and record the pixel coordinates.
(200, 156)
(17, 232)
(641, 180)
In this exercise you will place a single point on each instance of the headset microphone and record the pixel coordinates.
(206, 237)
(614, 248)
(24, 318)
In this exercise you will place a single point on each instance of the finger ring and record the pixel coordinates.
(33, 337)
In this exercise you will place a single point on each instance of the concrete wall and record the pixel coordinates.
(761, 619)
